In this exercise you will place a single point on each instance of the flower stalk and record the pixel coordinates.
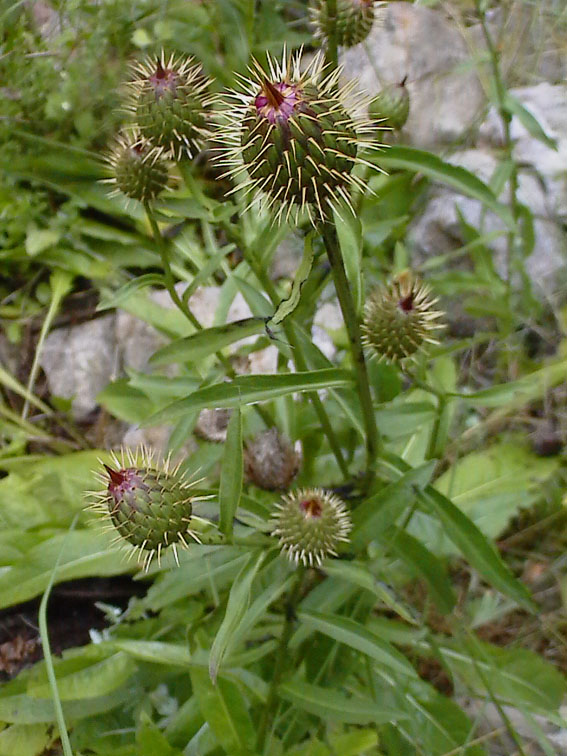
(355, 342)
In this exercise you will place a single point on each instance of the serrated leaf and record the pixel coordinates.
(334, 706)
(476, 549)
(231, 473)
(358, 574)
(375, 514)
(248, 389)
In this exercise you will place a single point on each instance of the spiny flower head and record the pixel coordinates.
(289, 138)
(352, 23)
(310, 523)
(271, 461)
(399, 319)
(149, 505)
(390, 108)
(170, 104)
(137, 170)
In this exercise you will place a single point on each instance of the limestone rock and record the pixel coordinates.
(418, 42)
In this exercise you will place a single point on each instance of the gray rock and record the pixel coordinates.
(548, 104)
(80, 360)
(437, 230)
(417, 42)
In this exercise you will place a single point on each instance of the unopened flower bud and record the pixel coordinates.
(170, 105)
(310, 524)
(400, 319)
(352, 23)
(138, 172)
(290, 138)
(390, 108)
(149, 505)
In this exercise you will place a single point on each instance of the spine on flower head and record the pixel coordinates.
(288, 137)
(149, 505)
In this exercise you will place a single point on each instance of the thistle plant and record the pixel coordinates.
(287, 137)
(148, 504)
(168, 100)
(400, 319)
(311, 524)
(351, 23)
(137, 170)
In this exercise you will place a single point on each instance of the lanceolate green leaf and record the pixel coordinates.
(253, 388)
(223, 707)
(331, 705)
(351, 633)
(478, 551)
(349, 232)
(231, 474)
(425, 565)
(528, 120)
(206, 342)
(238, 602)
(411, 159)
(377, 513)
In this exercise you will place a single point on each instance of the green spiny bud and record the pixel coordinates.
(169, 103)
(149, 505)
(271, 461)
(291, 139)
(399, 319)
(310, 523)
(390, 108)
(352, 23)
(138, 171)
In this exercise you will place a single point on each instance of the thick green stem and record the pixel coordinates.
(331, 53)
(359, 363)
(300, 363)
(184, 307)
(281, 660)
